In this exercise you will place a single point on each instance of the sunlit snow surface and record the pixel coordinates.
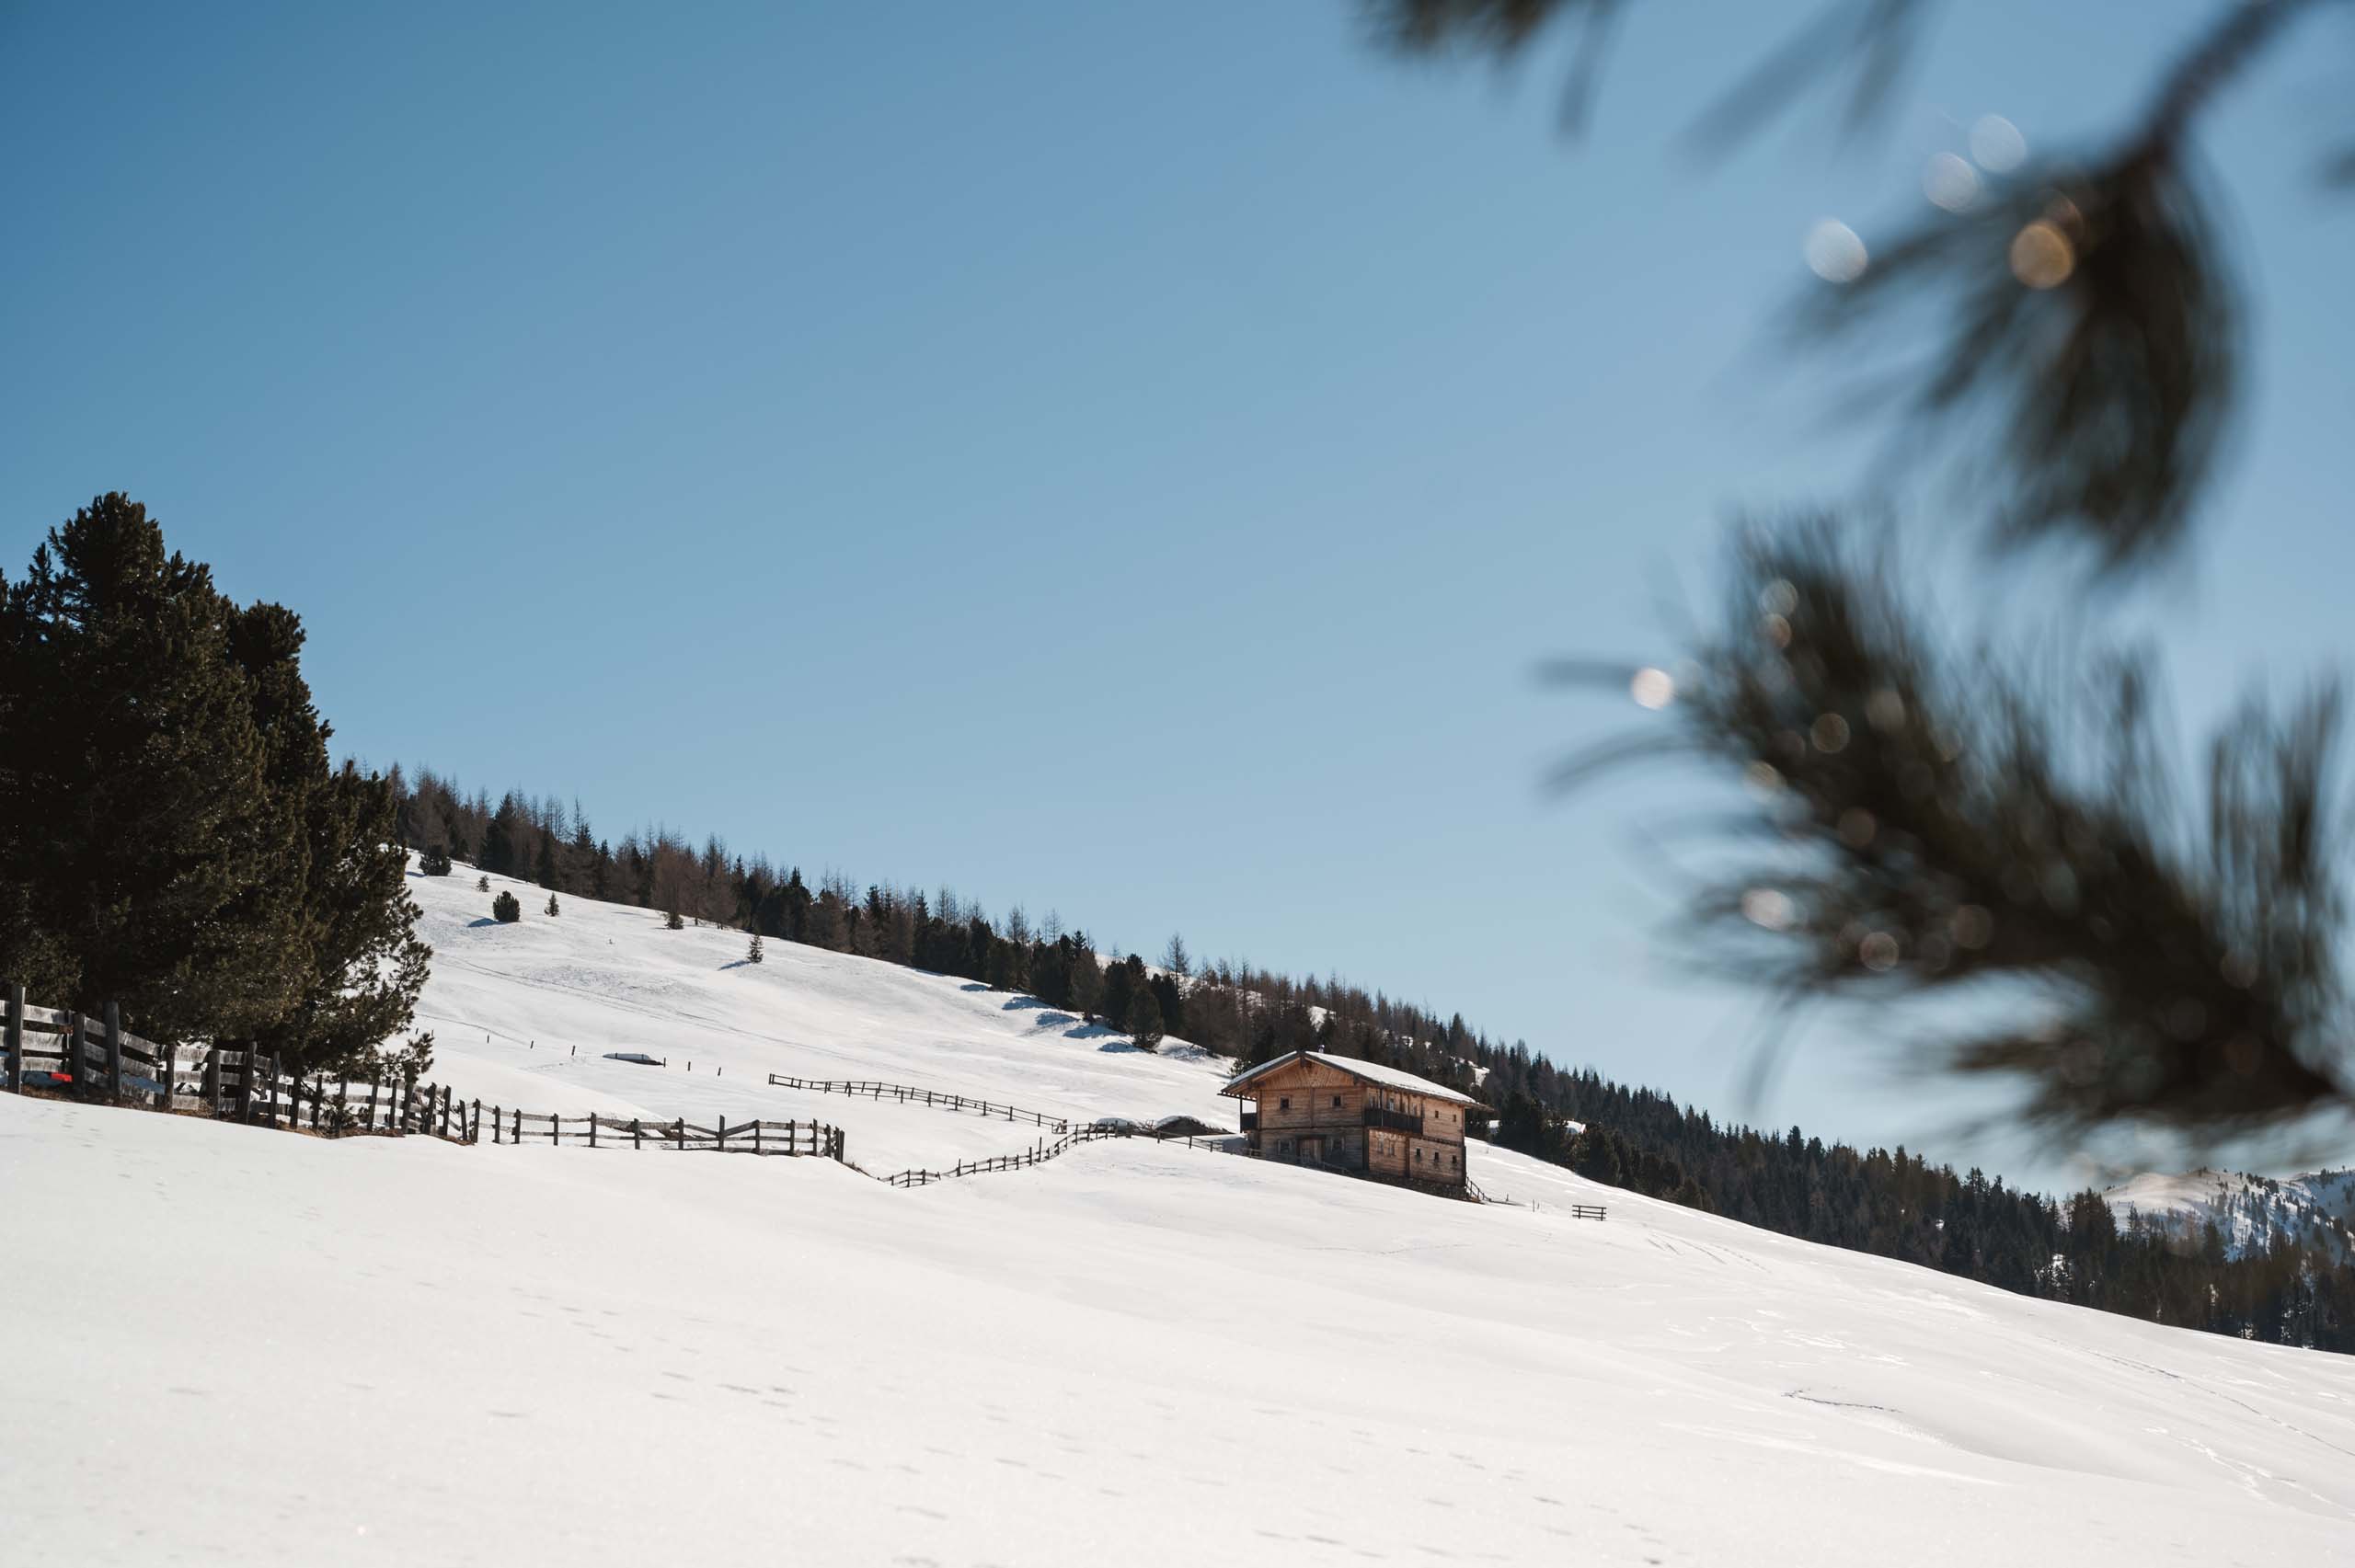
(232, 1346)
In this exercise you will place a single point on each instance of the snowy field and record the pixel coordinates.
(524, 1016)
(241, 1346)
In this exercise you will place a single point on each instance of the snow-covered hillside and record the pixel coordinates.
(2315, 1210)
(524, 1016)
(235, 1346)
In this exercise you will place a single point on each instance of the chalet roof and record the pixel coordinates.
(1383, 1077)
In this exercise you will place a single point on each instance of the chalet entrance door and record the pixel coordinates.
(1313, 1148)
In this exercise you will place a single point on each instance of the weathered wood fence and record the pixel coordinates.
(64, 1052)
(909, 1094)
(619, 1132)
(1575, 1210)
(1038, 1155)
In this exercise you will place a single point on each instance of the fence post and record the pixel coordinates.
(722, 1119)
(245, 1087)
(212, 1086)
(756, 1134)
(636, 1134)
(592, 1129)
(516, 1134)
(114, 1051)
(73, 1062)
(167, 1067)
(474, 1128)
(12, 1038)
(403, 1103)
(497, 1117)
(678, 1129)
(375, 1077)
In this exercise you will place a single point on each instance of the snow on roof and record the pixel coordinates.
(1388, 1077)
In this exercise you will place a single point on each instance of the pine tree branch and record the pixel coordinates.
(1939, 823)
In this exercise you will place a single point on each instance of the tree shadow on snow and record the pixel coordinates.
(484, 921)
(737, 963)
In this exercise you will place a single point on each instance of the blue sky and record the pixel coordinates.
(1121, 459)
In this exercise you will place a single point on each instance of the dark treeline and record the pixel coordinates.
(1893, 1204)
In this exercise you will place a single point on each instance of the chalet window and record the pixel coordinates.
(1336, 1101)
(1284, 1104)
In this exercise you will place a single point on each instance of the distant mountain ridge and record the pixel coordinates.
(2251, 1213)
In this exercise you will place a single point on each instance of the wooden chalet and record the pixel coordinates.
(1314, 1109)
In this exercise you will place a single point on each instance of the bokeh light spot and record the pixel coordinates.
(1834, 253)
(1950, 182)
(1996, 144)
(2042, 257)
(1652, 688)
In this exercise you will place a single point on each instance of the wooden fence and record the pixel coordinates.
(908, 1094)
(1038, 1155)
(740, 1138)
(60, 1052)
(1575, 1210)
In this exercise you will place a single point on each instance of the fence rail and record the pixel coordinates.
(58, 1051)
(1038, 1155)
(909, 1094)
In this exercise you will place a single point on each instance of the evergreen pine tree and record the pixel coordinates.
(552, 909)
(1120, 985)
(1171, 1000)
(143, 857)
(753, 954)
(1084, 977)
(434, 862)
(671, 921)
(365, 965)
(507, 908)
(1143, 1020)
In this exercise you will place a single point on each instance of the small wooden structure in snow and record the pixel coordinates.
(1314, 1109)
